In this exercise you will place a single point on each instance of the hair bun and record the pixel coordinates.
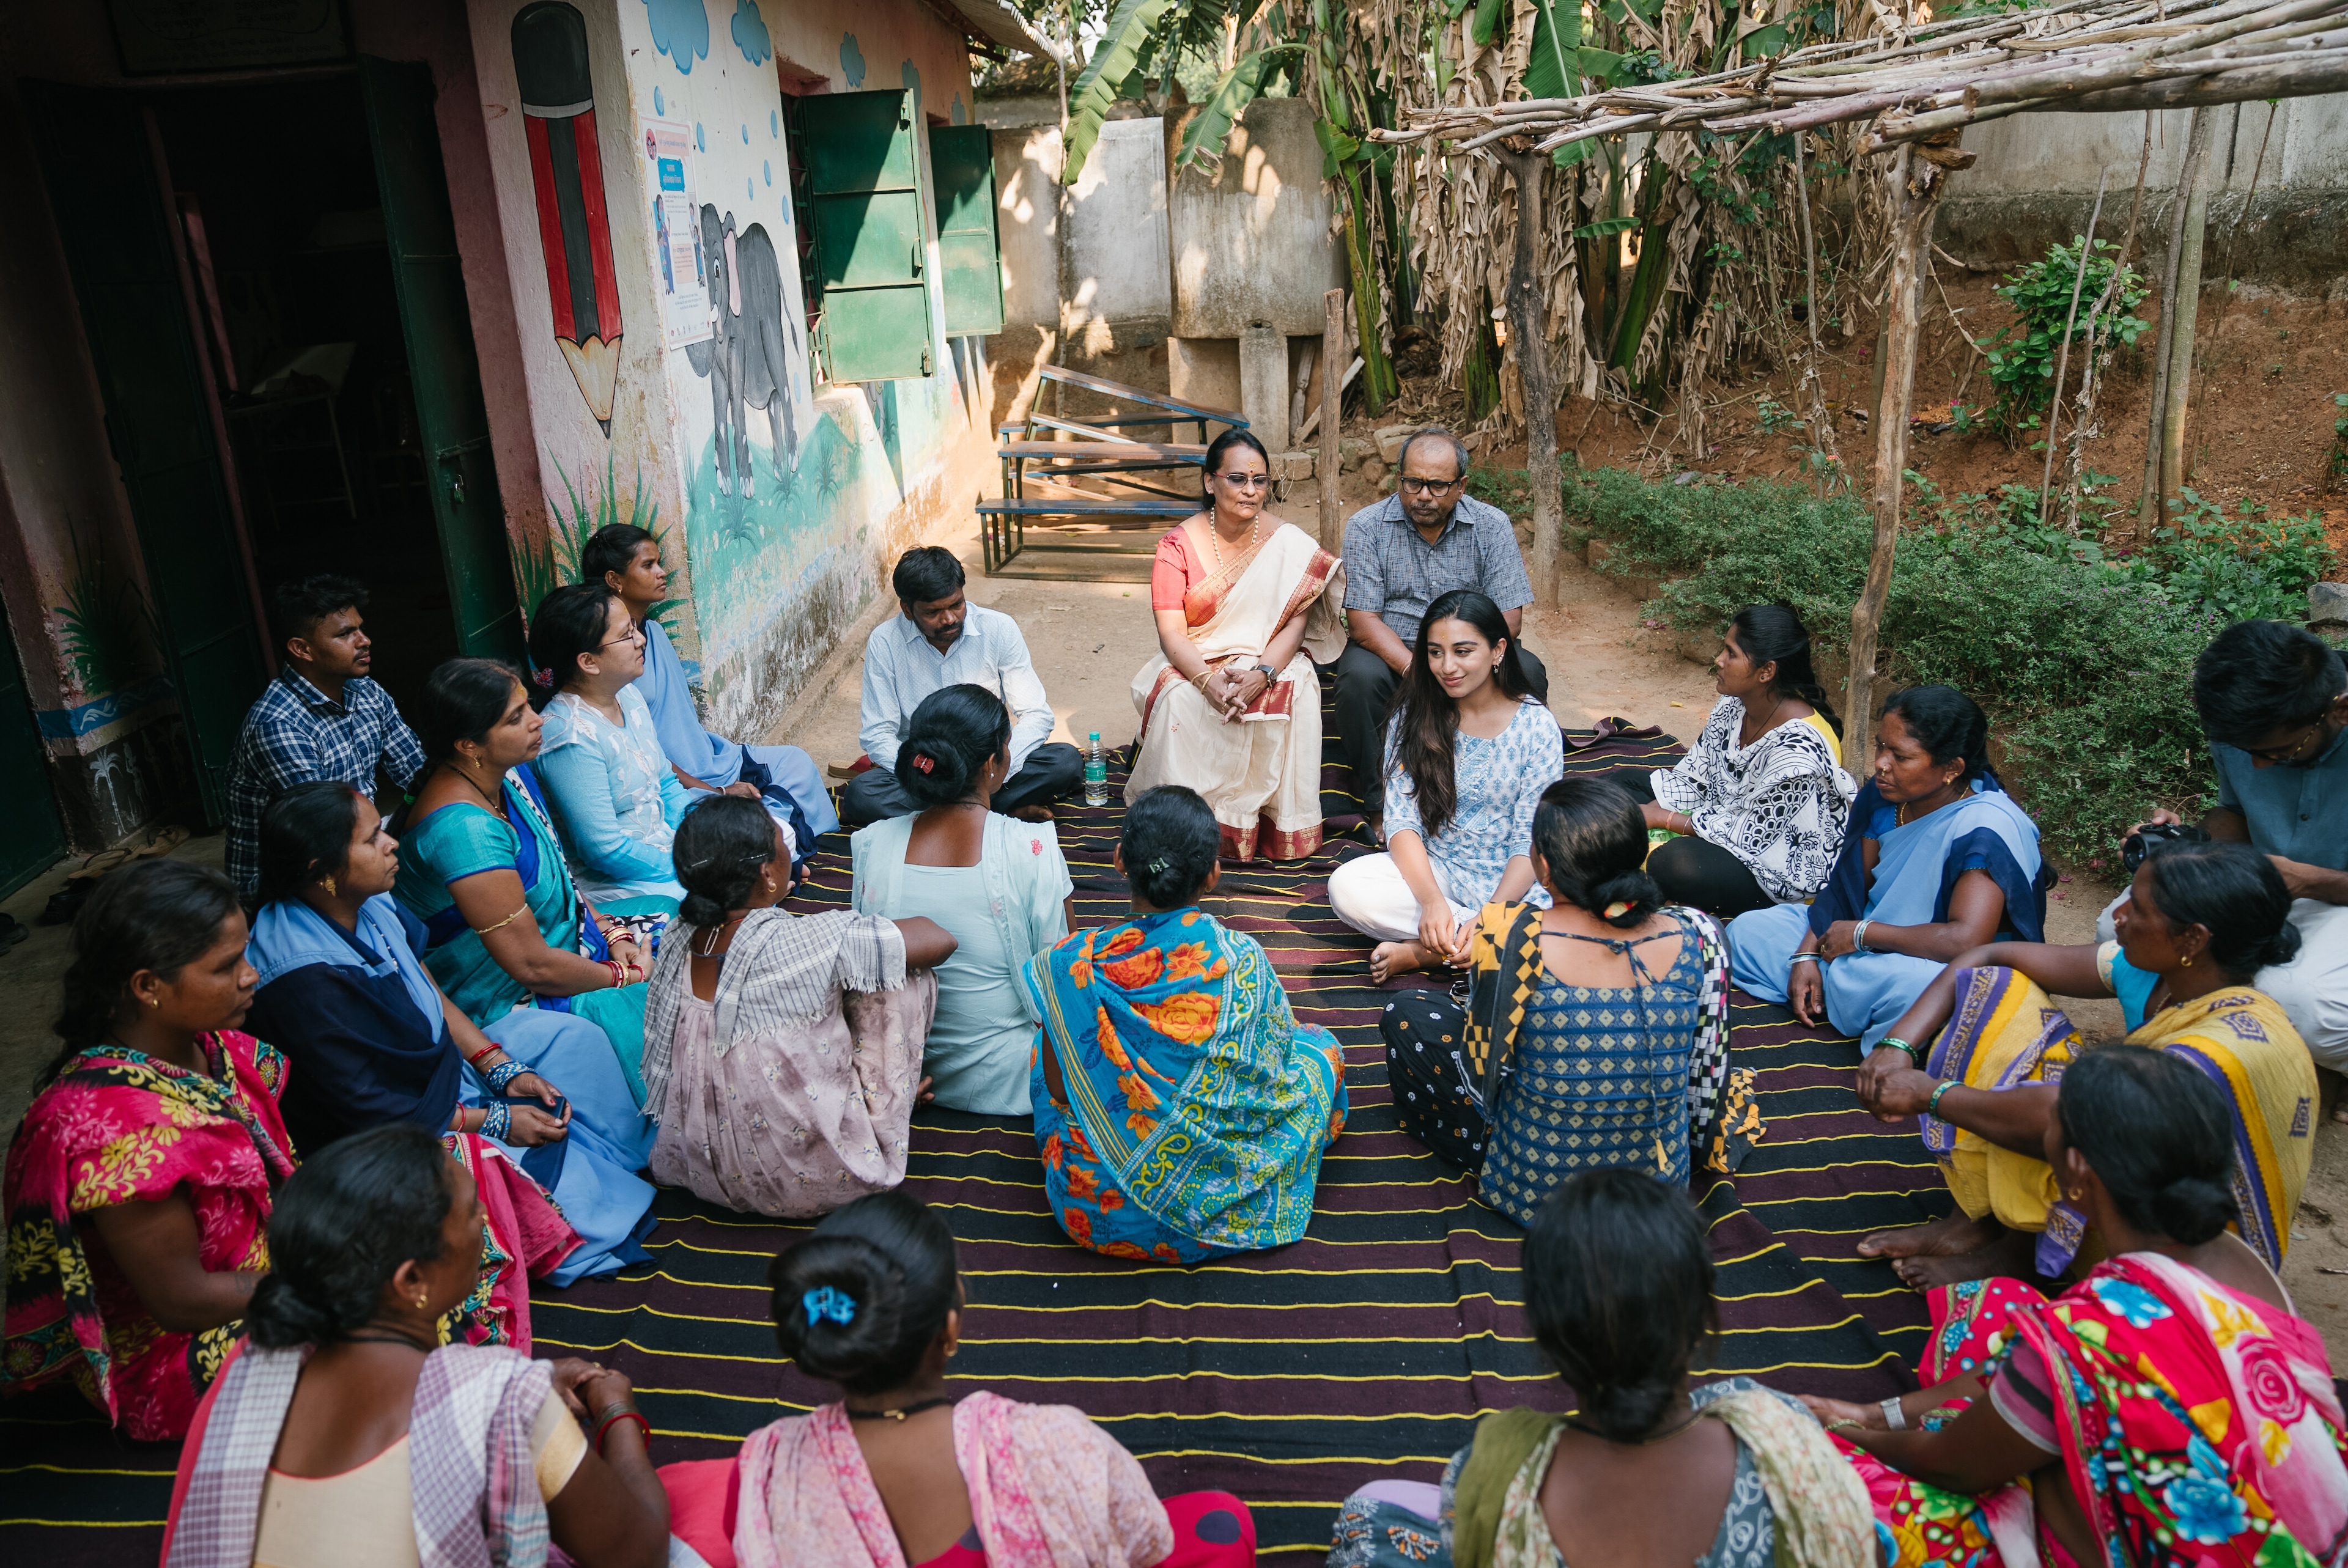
(1624, 899)
(2282, 947)
(2193, 1209)
(277, 1316)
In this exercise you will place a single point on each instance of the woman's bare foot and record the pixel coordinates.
(2010, 1253)
(1942, 1238)
(1388, 960)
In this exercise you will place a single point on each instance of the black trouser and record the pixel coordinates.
(1053, 772)
(1690, 870)
(1365, 691)
(1422, 1029)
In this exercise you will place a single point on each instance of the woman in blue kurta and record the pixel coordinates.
(480, 864)
(371, 1039)
(1181, 1108)
(626, 560)
(1938, 858)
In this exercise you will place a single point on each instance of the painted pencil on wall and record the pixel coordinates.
(558, 106)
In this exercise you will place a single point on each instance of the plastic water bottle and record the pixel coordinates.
(1096, 772)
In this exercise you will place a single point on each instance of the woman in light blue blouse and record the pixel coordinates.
(616, 800)
(1468, 752)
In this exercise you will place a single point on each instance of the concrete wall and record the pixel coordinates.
(1252, 234)
(2035, 180)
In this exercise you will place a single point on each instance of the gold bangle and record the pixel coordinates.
(485, 931)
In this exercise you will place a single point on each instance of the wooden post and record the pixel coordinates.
(1330, 461)
(1916, 184)
(1529, 339)
(2187, 304)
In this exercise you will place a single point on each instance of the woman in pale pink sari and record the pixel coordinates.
(903, 1470)
(1230, 706)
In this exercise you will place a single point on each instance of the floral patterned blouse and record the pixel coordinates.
(1496, 783)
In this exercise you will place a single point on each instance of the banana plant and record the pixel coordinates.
(1125, 49)
(1210, 130)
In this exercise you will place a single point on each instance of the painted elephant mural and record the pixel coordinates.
(748, 359)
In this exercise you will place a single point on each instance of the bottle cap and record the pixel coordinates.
(1095, 734)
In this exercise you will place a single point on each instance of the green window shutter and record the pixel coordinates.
(962, 160)
(864, 199)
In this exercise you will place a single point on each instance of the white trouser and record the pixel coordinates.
(2312, 989)
(1370, 895)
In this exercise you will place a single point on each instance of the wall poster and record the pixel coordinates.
(676, 234)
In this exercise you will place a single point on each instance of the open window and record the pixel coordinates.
(970, 254)
(863, 202)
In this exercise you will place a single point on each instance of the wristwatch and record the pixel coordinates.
(1271, 676)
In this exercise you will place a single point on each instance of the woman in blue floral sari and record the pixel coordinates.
(1181, 1108)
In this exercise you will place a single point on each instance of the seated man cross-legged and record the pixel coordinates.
(943, 639)
(1401, 555)
(2273, 700)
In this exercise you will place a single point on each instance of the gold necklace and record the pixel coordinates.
(1215, 535)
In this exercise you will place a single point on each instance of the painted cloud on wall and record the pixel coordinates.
(750, 34)
(681, 31)
(851, 60)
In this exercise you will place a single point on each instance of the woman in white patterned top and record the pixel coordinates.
(1468, 752)
(782, 1053)
(1760, 799)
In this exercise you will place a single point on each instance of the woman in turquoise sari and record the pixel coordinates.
(1938, 859)
(1181, 1108)
(480, 867)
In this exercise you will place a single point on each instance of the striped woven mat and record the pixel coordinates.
(1365, 1350)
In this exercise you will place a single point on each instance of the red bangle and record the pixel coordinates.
(615, 1418)
(475, 1059)
(619, 976)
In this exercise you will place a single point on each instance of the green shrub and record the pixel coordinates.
(2083, 665)
(2022, 357)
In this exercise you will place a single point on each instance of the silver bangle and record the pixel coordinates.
(1805, 957)
(1858, 936)
(1893, 1416)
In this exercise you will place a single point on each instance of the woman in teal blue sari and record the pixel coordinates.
(1938, 859)
(480, 867)
(1181, 1108)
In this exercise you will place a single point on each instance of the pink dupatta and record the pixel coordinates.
(1048, 1490)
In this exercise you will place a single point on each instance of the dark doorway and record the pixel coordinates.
(276, 190)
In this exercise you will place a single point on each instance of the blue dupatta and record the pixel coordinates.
(1197, 1106)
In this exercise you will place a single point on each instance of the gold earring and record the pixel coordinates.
(154, 1001)
(2185, 962)
(329, 883)
(422, 1299)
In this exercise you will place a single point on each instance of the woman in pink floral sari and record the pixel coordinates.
(140, 1185)
(2170, 1408)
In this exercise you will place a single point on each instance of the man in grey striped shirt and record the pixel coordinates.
(1402, 554)
(942, 640)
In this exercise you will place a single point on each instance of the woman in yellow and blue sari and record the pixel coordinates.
(2199, 921)
(1181, 1108)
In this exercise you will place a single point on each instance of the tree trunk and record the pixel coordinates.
(2188, 174)
(2187, 301)
(1916, 185)
(1530, 338)
(1330, 462)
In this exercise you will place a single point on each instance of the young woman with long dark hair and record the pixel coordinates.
(1761, 799)
(1229, 706)
(1468, 752)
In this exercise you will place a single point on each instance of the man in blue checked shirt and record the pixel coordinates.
(322, 718)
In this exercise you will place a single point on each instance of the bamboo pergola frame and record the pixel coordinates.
(1920, 88)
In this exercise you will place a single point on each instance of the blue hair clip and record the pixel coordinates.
(825, 1302)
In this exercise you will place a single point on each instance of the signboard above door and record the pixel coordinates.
(160, 38)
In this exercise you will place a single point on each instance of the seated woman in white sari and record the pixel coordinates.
(1230, 707)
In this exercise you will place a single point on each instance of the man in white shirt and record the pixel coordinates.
(942, 640)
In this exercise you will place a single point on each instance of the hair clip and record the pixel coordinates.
(1159, 866)
(923, 764)
(825, 1302)
(698, 865)
(541, 677)
(1617, 909)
